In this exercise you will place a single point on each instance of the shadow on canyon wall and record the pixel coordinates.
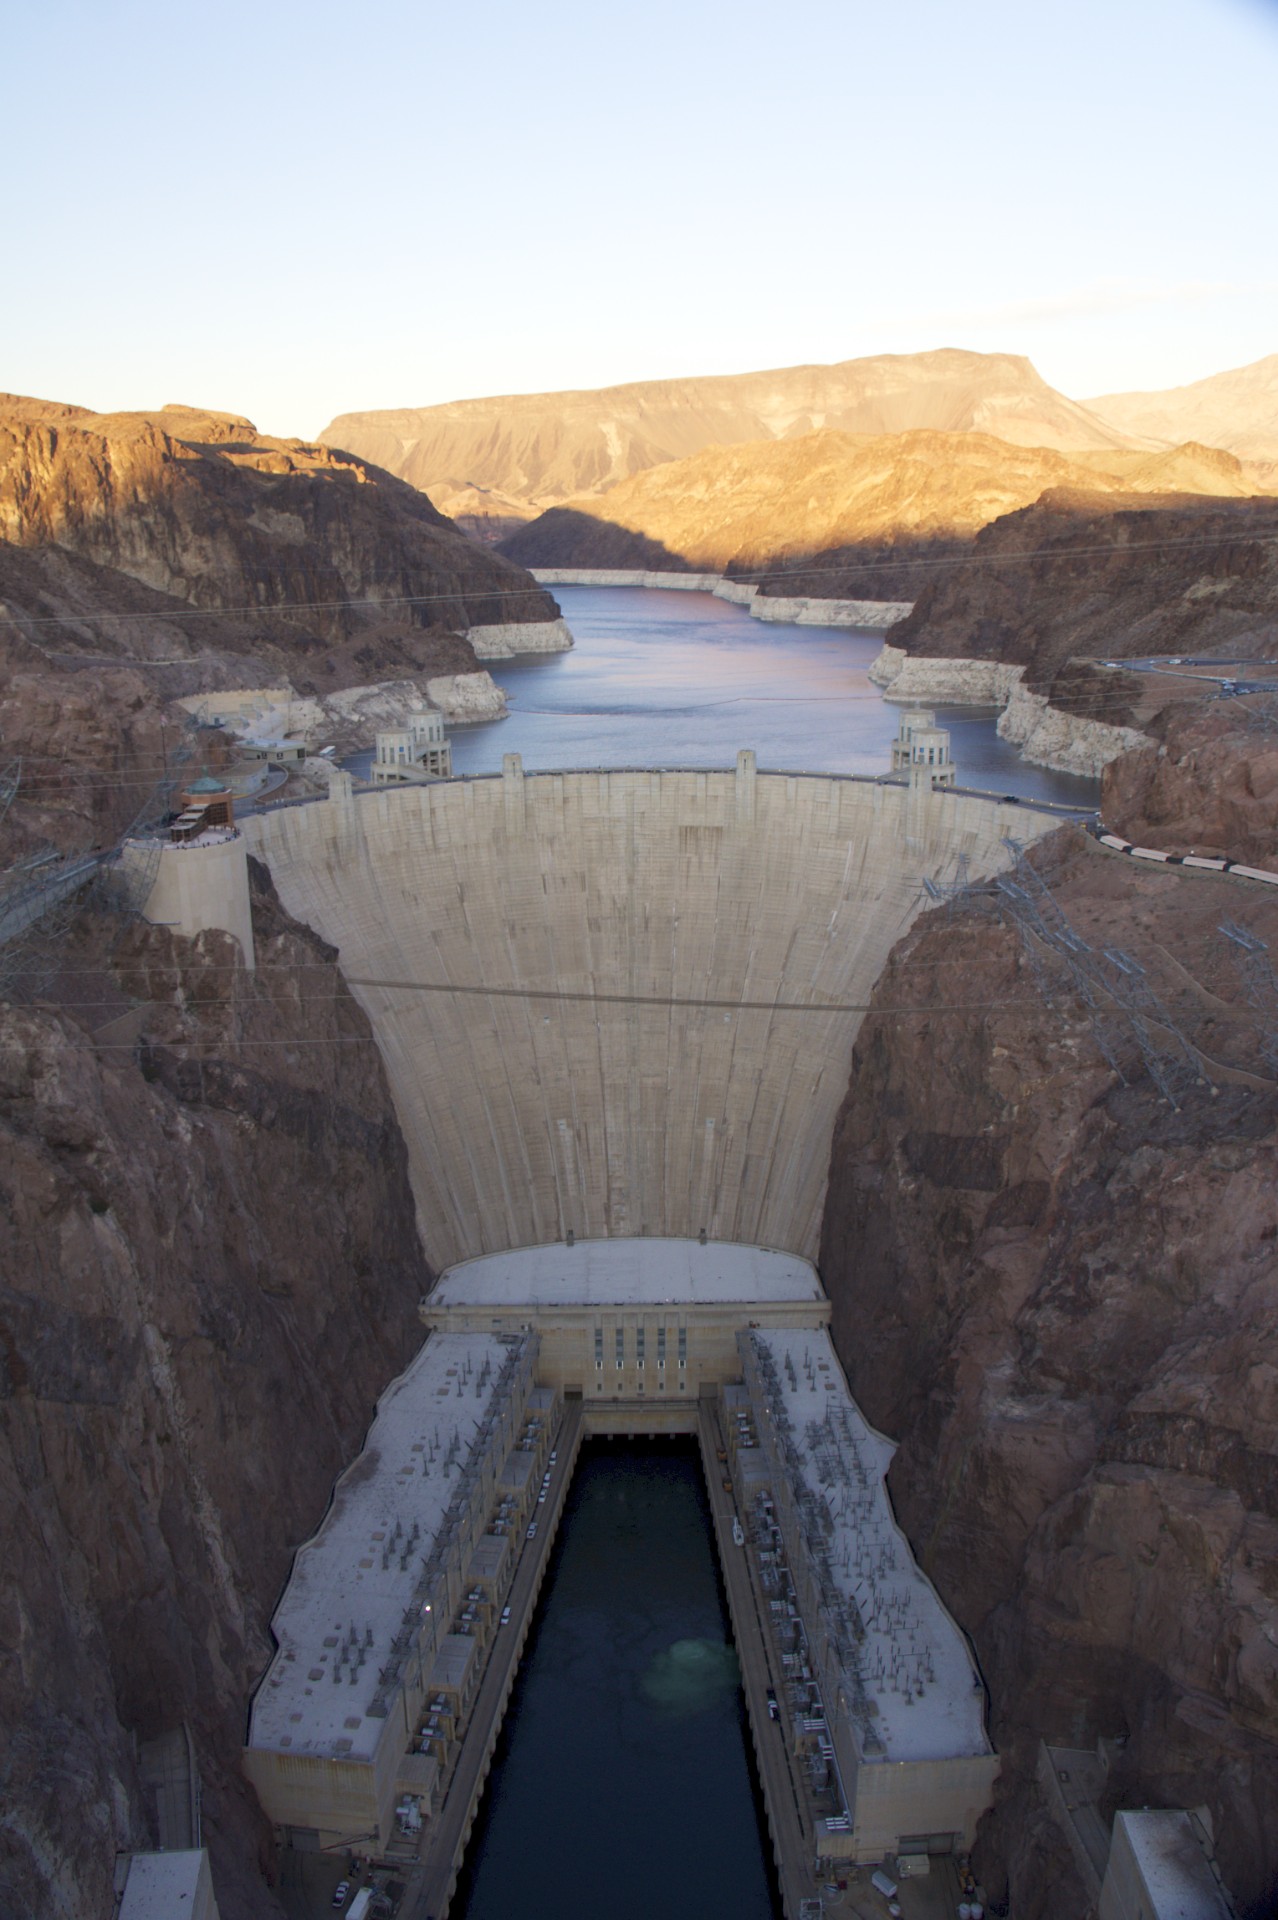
(884, 570)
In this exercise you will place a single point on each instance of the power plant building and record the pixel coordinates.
(648, 1323)
(390, 1604)
(385, 1627)
(887, 1689)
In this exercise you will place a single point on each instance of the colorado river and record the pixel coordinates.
(621, 1784)
(684, 680)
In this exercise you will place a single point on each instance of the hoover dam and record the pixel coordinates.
(617, 1011)
(623, 1003)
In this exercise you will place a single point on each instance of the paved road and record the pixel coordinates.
(792, 1844)
(430, 1884)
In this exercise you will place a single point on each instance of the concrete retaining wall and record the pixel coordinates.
(198, 887)
(666, 1106)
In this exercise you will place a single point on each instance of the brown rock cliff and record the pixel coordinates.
(1080, 576)
(203, 508)
(838, 514)
(1060, 1295)
(541, 449)
(210, 1273)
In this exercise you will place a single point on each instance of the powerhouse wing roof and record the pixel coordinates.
(350, 1584)
(914, 1669)
(640, 1271)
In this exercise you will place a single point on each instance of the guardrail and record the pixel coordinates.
(1067, 809)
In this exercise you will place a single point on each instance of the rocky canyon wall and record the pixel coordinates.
(291, 536)
(1058, 1291)
(210, 1273)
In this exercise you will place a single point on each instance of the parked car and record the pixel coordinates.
(341, 1892)
(532, 1531)
(505, 1616)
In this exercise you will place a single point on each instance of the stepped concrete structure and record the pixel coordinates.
(622, 1003)
(651, 1324)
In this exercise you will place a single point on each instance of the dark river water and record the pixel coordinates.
(684, 680)
(621, 1785)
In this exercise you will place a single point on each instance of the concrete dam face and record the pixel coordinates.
(621, 1003)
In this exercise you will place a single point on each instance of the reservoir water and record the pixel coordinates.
(661, 679)
(621, 1784)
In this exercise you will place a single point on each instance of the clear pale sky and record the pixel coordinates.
(293, 210)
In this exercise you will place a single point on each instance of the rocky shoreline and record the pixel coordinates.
(802, 611)
(1045, 735)
(505, 639)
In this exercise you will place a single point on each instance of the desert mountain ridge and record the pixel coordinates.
(532, 451)
(777, 503)
(1236, 410)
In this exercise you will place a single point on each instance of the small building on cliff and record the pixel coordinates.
(276, 751)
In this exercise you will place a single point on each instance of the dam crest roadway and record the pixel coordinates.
(623, 1003)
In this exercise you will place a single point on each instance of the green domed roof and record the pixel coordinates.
(206, 784)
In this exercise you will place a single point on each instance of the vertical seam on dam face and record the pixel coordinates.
(649, 1113)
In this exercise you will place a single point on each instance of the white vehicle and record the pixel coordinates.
(505, 1617)
(553, 1458)
(532, 1531)
(360, 1904)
